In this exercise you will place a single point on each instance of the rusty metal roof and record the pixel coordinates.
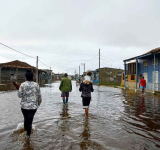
(16, 64)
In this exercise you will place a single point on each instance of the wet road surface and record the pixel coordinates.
(118, 120)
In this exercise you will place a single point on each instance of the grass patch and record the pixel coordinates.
(108, 84)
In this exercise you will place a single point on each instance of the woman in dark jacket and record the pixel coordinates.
(86, 88)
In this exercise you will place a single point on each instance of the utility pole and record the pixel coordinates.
(84, 67)
(99, 66)
(37, 70)
(79, 71)
(51, 75)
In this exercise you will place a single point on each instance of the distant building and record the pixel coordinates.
(59, 76)
(107, 75)
(48, 75)
(147, 66)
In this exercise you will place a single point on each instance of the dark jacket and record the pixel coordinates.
(86, 89)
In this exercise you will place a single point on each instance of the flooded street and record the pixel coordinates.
(118, 120)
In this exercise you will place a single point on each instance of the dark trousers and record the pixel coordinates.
(28, 119)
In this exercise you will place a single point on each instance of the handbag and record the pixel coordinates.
(39, 100)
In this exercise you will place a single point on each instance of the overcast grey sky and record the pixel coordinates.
(70, 32)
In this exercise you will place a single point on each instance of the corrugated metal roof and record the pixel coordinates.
(17, 64)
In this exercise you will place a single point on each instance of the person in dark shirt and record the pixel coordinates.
(86, 88)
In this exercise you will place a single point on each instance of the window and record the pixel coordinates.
(155, 61)
(108, 72)
(119, 73)
(145, 63)
(132, 77)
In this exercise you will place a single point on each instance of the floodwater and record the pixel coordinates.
(118, 120)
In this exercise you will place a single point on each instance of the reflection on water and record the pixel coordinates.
(142, 115)
(118, 120)
(65, 124)
(85, 135)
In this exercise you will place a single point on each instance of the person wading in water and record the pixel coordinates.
(65, 87)
(30, 95)
(86, 88)
(143, 85)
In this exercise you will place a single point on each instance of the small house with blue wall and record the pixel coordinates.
(147, 66)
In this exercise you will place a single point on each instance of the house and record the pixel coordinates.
(15, 70)
(107, 75)
(147, 66)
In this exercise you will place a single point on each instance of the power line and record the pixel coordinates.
(65, 60)
(46, 58)
(111, 59)
(85, 62)
(117, 61)
(17, 51)
(43, 63)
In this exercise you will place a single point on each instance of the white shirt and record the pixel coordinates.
(29, 92)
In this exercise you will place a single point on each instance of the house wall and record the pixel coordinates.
(5, 75)
(107, 75)
(110, 75)
(95, 76)
(19, 74)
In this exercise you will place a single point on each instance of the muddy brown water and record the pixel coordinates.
(118, 120)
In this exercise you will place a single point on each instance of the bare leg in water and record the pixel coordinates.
(86, 110)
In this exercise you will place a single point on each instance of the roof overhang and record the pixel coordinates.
(152, 52)
(137, 57)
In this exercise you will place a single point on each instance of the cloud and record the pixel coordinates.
(65, 31)
(3, 60)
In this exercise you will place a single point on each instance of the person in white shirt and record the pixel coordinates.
(30, 95)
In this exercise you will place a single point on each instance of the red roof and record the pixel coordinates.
(16, 64)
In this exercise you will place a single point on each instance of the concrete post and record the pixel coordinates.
(16, 74)
(124, 75)
(154, 72)
(51, 75)
(79, 71)
(136, 73)
(99, 65)
(37, 70)
(0, 75)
